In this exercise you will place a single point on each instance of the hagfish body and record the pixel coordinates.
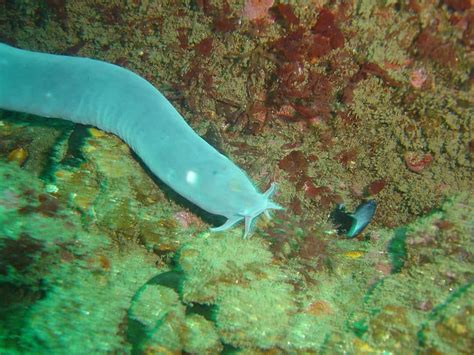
(116, 100)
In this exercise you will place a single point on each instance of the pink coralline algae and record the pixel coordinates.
(187, 219)
(417, 162)
(418, 78)
(257, 9)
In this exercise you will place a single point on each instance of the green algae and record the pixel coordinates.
(80, 271)
(173, 330)
(397, 249)
(406, 298)
(201, 336)
(210, 262)
(81, 286)
(254, 316)
(451, 321)
(152, 316)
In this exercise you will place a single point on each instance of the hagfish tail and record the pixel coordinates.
(116, 100)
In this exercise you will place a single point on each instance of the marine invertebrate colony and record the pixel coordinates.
(117, 100)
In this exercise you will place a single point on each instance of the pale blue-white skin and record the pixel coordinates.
(116, 100)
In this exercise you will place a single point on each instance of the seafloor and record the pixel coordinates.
(337, 102)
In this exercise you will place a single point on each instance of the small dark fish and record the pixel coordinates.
(352, 224)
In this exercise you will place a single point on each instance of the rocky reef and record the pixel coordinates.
(338, 102)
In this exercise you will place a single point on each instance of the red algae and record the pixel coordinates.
(75, 48)
(295, 206)
(104, 262)
(225, 21)
(286, 112)
(323, 196)
(319, 46)
(347, 118)
(312, 247)
(468, 33)
(19, 254)
(306, 93)
(60, 11)
(295, 163)
(258, 116)
(364, 71)
(417, 162)
(375, 187)
(329, 200)
(187, 219)
(326, 26)
(205, 6)
(319, 308)
(347, 157)
(444, 224)
(49, 206)
(225, 24)
(458, 5)
(292, 47)
(432, 47)
(285, 12)
(301, 43)
(257, 9)
(310, 190)
(204, 47)
(299, 85)
(374, 69)
(183, 38)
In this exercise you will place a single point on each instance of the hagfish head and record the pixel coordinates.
(220, 187)
(252, 205)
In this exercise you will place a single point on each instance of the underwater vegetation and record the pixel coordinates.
(59, 281)
(338, 102)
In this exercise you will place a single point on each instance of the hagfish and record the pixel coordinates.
(116, 100)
